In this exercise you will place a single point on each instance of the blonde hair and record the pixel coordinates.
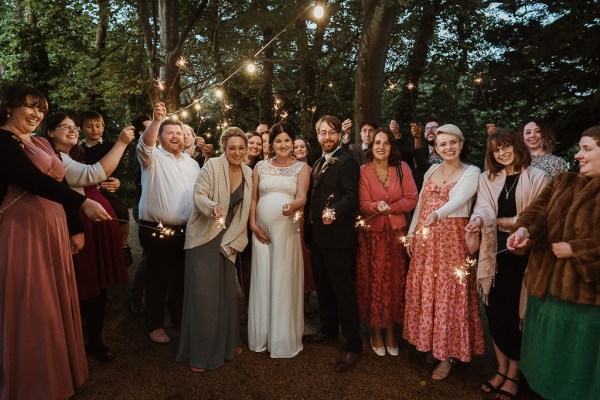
(232, 132)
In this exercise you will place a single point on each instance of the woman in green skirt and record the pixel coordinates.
(561, 335)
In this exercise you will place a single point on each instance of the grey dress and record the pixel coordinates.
(210, 325)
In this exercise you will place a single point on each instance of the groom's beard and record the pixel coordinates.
(431, 142)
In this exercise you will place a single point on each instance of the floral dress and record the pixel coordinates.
(442, 314)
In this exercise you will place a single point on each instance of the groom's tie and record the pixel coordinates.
(318, 166)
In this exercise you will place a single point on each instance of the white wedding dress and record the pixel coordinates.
(276, 308)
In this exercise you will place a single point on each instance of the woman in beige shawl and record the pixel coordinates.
(504, 191)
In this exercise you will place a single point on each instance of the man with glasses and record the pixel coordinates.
(329, 229)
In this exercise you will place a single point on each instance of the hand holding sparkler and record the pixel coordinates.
(218, 216)
(518, 240)
(430, 220)
(159, 111)
(474, 226)
(286, 210)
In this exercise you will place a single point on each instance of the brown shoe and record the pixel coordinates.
(347, 361)
(320, 337)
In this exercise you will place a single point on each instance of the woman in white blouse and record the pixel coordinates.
(100, 262)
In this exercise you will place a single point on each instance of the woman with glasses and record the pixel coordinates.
(540, 141)
(442, 313)
(509, 186)
(41, 352)
(101, 261)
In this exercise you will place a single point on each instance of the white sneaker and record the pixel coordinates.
(159, 336)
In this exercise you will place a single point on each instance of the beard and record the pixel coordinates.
(431, 142)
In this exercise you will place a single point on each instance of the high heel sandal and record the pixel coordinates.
(491, 388)
(503, 394)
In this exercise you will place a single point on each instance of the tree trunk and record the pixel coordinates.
(378, 19)
(417, 61)
(96, 101)
(168, 15)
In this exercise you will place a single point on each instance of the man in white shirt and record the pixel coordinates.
(168, 179)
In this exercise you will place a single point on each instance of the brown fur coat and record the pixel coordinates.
(568, 210)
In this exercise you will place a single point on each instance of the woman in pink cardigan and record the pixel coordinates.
(504, 191)
(387, 190)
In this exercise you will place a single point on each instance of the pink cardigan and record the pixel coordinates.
(400, 196)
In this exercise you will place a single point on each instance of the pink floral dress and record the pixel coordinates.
(442, 315)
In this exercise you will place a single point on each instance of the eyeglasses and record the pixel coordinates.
(431, 128)
(504, 147)
(332, 132)
(67, 127)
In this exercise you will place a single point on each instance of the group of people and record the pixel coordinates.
(385, 230)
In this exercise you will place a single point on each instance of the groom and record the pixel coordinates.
(329, 229)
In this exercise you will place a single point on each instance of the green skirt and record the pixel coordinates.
(560, 354)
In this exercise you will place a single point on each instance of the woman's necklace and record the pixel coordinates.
(284, 164)
(444, 175)
(511, 188)
(386, 177)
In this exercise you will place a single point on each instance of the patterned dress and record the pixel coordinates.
(550, 163)
(442, 315)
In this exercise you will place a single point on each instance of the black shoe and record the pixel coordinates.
(347, 361)
(127, 255)
(101, 353)
(136, 306)
(319, 337)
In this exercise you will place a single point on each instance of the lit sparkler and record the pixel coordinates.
(221, 222)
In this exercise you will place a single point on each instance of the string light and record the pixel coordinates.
(184, 114)
(219, 93)
(319, 12)
(197, 106)
(251, 66)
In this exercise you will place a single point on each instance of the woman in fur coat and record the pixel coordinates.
(561, 335)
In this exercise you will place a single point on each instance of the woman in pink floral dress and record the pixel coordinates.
(442, 315)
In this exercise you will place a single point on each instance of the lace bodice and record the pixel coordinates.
(278, 179)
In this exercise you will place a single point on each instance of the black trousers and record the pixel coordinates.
(165, 260)
(92, 312)
(334, 276)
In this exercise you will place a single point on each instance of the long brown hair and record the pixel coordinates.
(394, 157)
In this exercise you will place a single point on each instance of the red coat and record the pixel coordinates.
(400, 196)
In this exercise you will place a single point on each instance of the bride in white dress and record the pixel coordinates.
(275, 311)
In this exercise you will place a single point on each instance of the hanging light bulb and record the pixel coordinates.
(219, 93)
(197, 106)
(318, 12)
(251, 66)
(184, 114)
(174, 117)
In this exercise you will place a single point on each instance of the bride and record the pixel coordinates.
(275, 312)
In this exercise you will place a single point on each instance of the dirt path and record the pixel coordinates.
(143, 370)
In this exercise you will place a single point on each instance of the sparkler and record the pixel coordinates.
(362, 223)
(161, 230)
(411, 86)
(328, 212)
(424, 231)
(221, 222)
(479, 82)
(462, 271)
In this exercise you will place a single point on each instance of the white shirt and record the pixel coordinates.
(167, 185)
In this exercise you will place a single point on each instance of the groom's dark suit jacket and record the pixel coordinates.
(339, 179)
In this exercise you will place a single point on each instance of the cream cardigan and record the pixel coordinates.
(530, 184)
(460, 196)
(212, 188)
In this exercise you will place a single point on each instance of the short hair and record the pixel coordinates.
(230, 132)
(51, 123)
(394, 157)
(548, 139)
(369, 122)
(331, 120)
(88, 115)
(138, 123)
(251, 134)
(168, 122)
(15, 96)
(506, 137)
(594, 133)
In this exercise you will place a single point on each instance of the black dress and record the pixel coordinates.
(503, 301)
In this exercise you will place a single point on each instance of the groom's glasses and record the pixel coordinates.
(332, 132)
